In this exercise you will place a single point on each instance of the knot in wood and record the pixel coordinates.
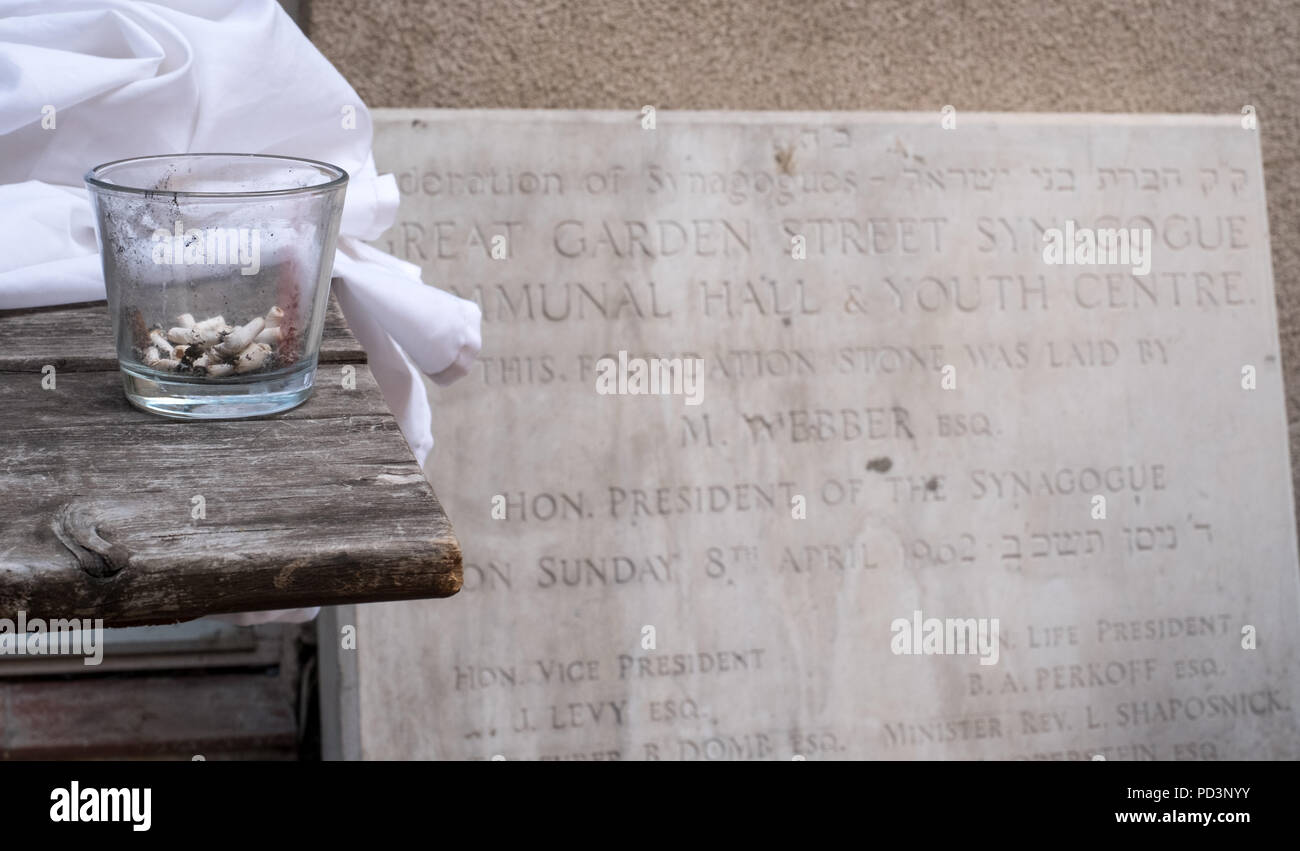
(75, 528)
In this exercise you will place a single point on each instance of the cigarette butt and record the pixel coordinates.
(239, 339)
(151, 356)
(274, 316)
(179, 352)
(270, 335)
(216, 370)
(252, 357)
(156, 337)
(212, 322)
(194, 336)
(185, 320)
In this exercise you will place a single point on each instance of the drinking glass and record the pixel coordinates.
(217, 269)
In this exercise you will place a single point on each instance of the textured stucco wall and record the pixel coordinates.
(1037, 55)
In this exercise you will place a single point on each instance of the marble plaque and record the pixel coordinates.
(845, 436)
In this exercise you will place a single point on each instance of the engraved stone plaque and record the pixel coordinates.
(844, 436)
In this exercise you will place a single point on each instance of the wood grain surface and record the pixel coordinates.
(320, 505)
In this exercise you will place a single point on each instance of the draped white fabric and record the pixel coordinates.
(84, 82)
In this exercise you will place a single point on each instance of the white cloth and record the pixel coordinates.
(128, 79)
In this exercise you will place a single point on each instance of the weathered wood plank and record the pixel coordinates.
(148, 717)
(165, 647)
(77, 338)
(320, 505)
(95, 398)
(321, 508)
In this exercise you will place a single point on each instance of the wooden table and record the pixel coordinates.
(99, 502)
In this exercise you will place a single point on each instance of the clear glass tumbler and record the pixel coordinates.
(217, 268)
